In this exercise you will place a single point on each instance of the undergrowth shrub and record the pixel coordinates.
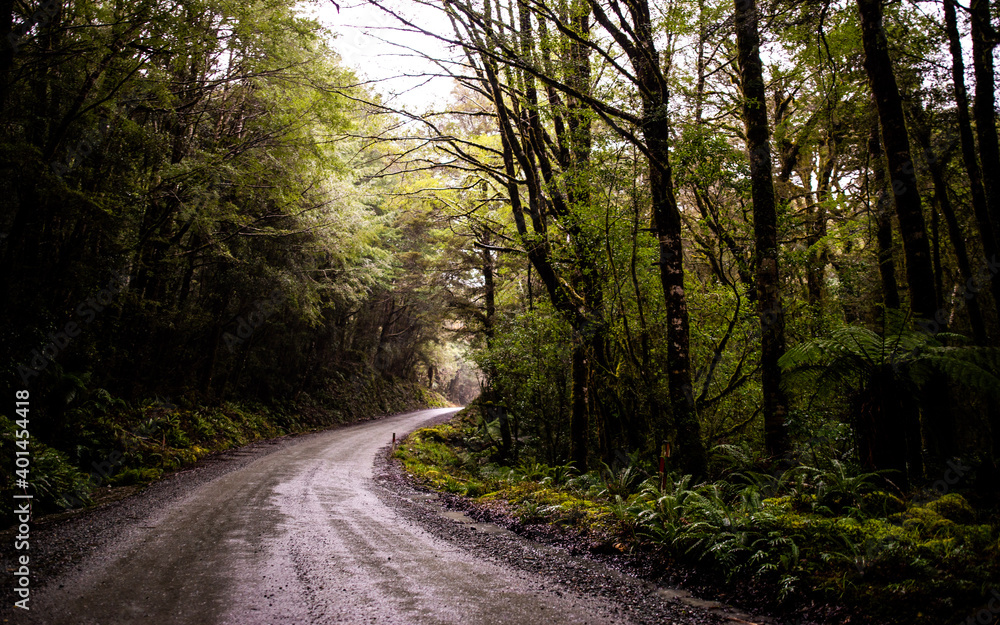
(829, 532)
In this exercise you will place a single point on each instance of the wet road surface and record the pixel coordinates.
(299, 536)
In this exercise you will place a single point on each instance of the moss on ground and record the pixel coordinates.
(828, 536)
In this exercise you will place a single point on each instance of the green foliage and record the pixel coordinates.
(137, 476)
(889, 386)
(528, 364)
(808, 533)
(953, 507)
(54, 479)
(852, 356)
(620, 483)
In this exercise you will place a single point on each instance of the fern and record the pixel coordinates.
(884, 379)
(853, 355)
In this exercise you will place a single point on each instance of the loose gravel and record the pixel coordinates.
(62, 545)
(556, 556)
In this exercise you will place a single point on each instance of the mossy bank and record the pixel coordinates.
(822, 543)
(103, 443)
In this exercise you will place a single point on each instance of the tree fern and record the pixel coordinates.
(882, 377)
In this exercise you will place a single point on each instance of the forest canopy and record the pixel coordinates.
(204, 158)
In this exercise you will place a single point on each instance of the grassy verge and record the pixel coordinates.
(105, 443)
(809, 536)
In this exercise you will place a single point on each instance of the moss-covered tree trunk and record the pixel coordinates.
(667, 221)
(770, 311)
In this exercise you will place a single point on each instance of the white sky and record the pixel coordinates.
(369, 40)
(373, 43)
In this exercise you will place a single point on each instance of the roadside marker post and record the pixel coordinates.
(664, 454)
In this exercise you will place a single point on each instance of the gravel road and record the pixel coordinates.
(310, 530)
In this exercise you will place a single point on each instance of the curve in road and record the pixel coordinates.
(299, 536)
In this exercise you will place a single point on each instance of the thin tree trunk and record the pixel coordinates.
(769, 308)
(955, 235)
(983, 42)
(489, 295)
(817, 259)
(936, 253)
(580, 415)
(494, 411)
(883, 223)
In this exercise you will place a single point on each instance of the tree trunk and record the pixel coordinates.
(954, 234)
(490, 295)
(987, 227)
(882, 426)
(983, 42)
(769, 308)
(668, 226)
(818, 256)
(883, 223)
(878, 65)
(580, 415)
(984, 39)
(639, 44)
